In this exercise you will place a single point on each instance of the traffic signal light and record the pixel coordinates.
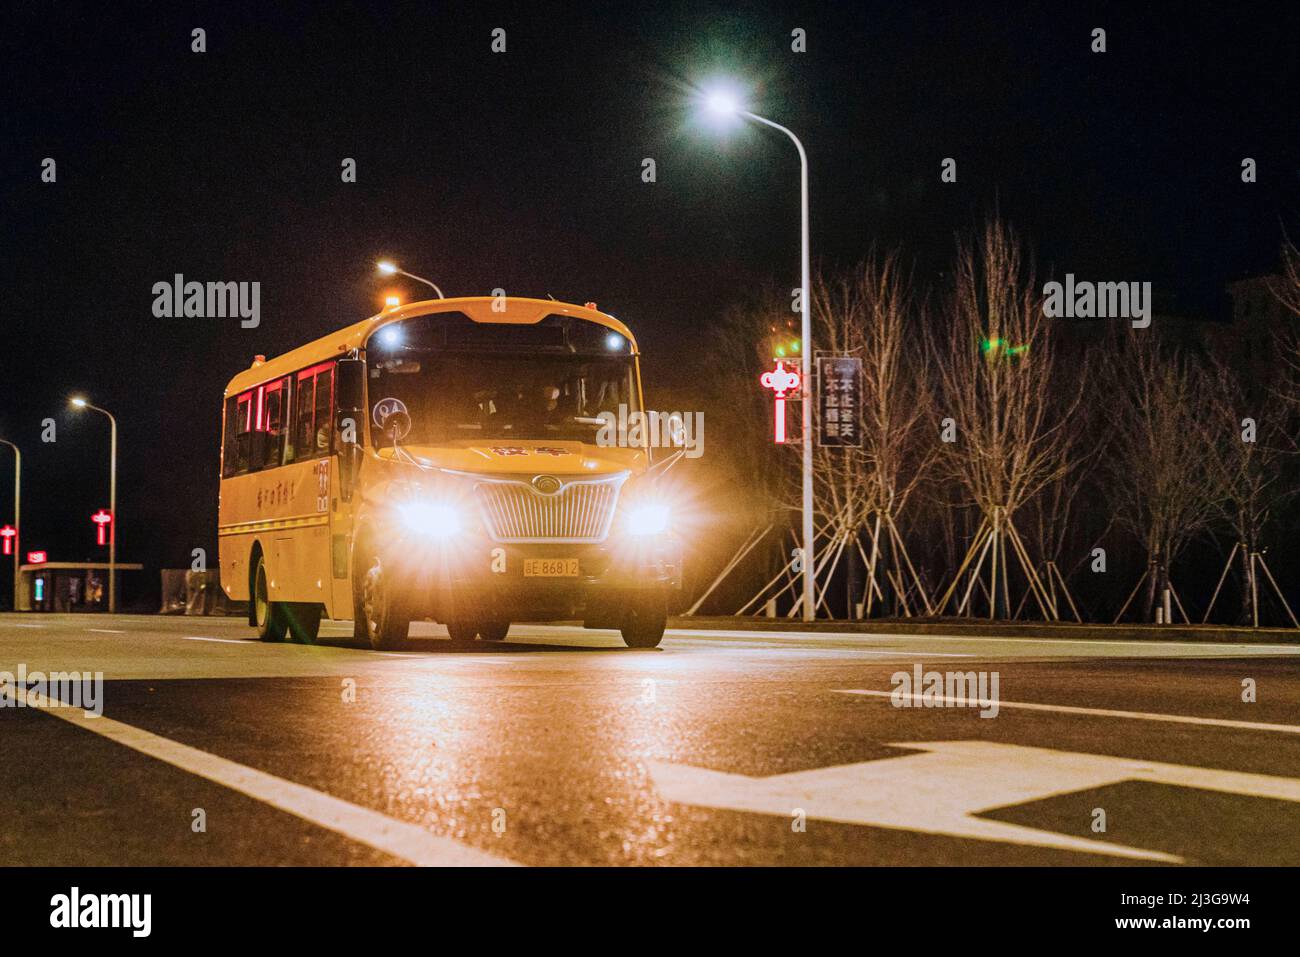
(783, 341)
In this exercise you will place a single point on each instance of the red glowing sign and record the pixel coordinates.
(36, 558)
(780, 380)
(8, 533)
(103, 519)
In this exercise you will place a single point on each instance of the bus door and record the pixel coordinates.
(349, 410)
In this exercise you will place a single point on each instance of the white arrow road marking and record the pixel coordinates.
(398, 838)
(1096, 712)
(939, 791)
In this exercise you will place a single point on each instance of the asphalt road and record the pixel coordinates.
(561, 746)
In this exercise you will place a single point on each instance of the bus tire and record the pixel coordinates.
(303, 620)
(461, 630)
(493, 630)
(381, 606)
(268, 616)
(645, 621)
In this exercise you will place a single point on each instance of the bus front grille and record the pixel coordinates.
(581, 511)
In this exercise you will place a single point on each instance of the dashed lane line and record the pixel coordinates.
(1092, 712)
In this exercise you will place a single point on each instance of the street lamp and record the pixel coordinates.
(390, 268)
(18, 513)
(80, 403)
(722, 102)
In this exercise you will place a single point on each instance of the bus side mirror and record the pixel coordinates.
(350, 385)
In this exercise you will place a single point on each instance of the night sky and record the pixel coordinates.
(522, 171)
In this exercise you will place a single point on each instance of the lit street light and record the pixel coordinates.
(724, 103)
(18, 514)
(80, 403)
(390, 268)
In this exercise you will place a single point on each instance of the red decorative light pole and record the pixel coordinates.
(780, 380)
(103, 519)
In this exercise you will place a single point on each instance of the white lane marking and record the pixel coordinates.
(398, 838)
(1095, 712)
(940, 790)
(225, 641)
(778, 651)
(24, 624)
(107, 631)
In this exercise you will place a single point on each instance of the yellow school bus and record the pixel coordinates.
(447, 460)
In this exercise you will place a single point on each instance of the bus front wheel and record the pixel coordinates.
(382, 612)
(644, 622)
(268, 615)
(493, 630)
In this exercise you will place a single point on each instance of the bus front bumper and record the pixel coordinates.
(545, 581)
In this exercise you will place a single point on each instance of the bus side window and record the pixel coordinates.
(274, 422)
(229, 447)
(289, 395)
(243, 430)
(325, 411)
(304, 438)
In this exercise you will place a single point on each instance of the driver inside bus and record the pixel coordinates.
(531, 408)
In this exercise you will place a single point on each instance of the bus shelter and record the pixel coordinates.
(67, 586)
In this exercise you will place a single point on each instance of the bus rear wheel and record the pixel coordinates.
(268, 616)
(645, 621)
(493, 630)
(382, 611)
(303, 621)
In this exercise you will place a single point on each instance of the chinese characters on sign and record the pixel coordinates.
(839, 401)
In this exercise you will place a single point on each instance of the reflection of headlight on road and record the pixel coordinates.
(430, 519)
(647, 519)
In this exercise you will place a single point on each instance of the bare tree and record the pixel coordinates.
(1159, 459)
(1286, 289)
(997, 371)
(759, 493)
(1244, 436)
(868, 313)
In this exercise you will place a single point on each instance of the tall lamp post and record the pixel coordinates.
(18, 511)
(81, 403)
(390, 268)
(722, 103)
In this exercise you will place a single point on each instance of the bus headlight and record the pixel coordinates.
(435, 520)
(650, 518)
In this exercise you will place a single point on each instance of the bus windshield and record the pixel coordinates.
(551, 380)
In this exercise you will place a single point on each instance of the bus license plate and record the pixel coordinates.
(550, 568)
